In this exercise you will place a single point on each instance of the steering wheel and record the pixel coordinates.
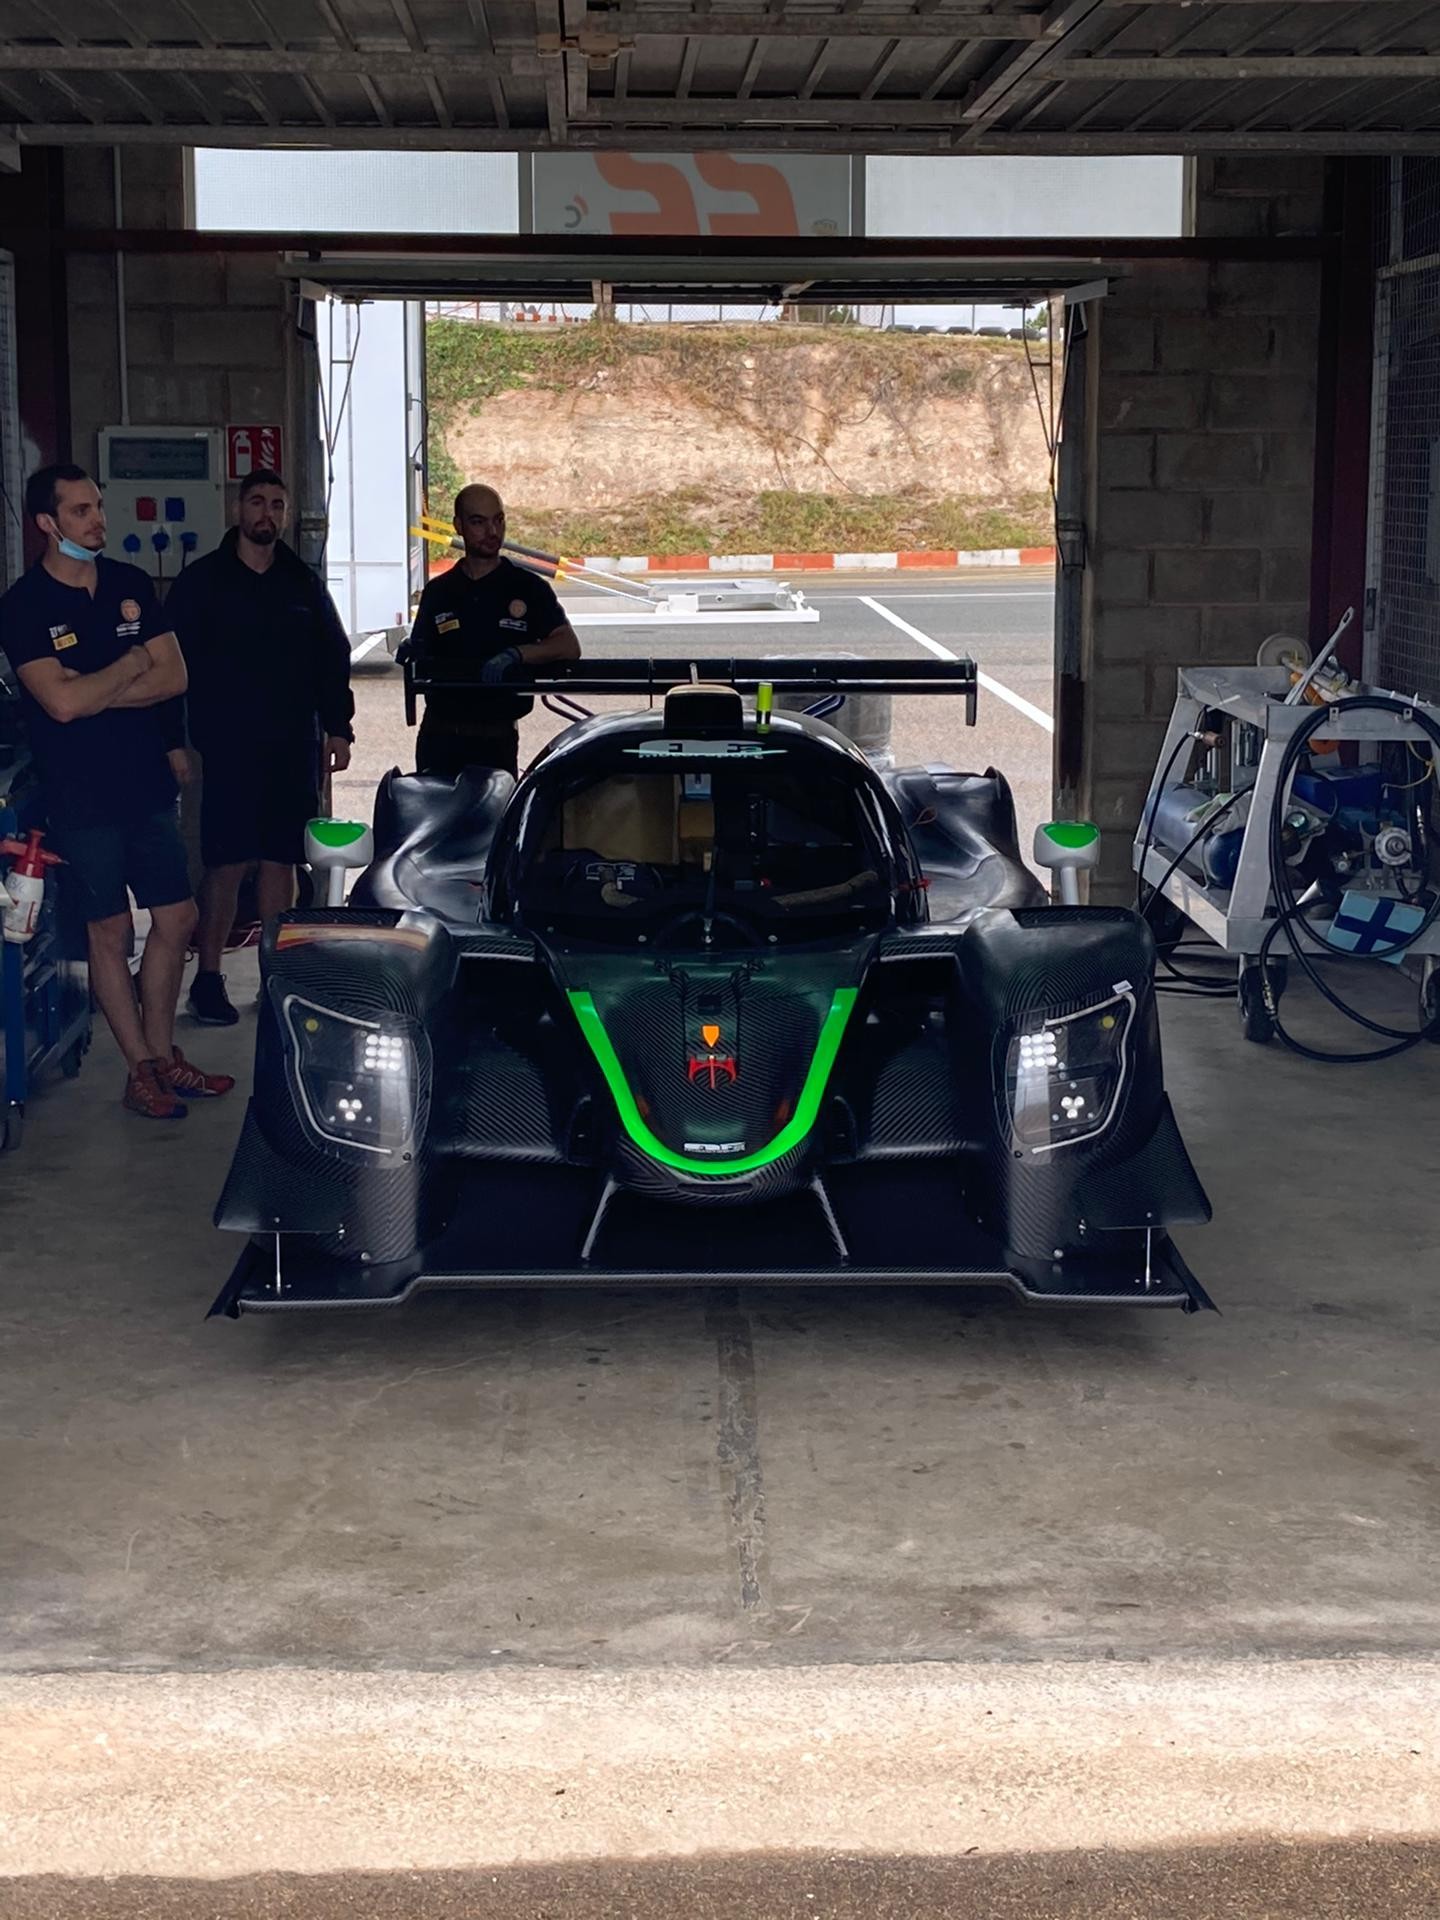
(673, 922)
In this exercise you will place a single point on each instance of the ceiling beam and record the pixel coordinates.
(340, 33)
(752, 70)
(677, 24)
(1276, 6)
(883, 71)
(824, 111)
(597, 136)
(947, 73)
(248, 61)
(548, 24)
(1017, 76)
(405, 20)
(378, 107)
(480, 27)
(1104, 70)
(822, 59)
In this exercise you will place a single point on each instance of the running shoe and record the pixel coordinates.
(148, 1092)
(191, 1084)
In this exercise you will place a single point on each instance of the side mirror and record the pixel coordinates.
(336, 847)
(1067, 847)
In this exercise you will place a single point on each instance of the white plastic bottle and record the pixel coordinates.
(23, 889)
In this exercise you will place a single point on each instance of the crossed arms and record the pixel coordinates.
(145, 676)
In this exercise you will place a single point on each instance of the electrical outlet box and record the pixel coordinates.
(164, 495)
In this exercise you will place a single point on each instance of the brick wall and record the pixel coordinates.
(1201, 477)
(209, 339)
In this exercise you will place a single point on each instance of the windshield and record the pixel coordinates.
(767, 850)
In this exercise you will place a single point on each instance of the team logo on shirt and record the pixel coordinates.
(129, 609)
(517, 609)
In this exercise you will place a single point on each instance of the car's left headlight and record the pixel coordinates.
(1064, 1074)
(357, 1081)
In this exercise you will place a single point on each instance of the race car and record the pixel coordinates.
(706, 998)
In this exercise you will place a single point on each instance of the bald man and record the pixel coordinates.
(489, 612)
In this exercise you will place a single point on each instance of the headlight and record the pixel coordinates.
(357, 1082)
(1064, 1075)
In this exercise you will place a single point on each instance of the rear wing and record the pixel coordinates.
(653, 678)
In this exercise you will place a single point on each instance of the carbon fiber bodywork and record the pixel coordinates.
(818, 1086)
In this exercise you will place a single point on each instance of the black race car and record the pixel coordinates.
(705, 998)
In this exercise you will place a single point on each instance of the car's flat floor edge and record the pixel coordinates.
(1172, 1285)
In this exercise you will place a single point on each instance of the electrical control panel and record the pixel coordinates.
(164, 495)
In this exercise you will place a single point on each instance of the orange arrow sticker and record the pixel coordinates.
(710, 1035)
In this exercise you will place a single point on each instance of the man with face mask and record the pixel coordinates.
(269, 710)
(99, 666)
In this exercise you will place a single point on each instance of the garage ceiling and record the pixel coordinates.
(1011, 76)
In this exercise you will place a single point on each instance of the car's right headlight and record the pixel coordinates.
(1064, 1074)
(356, 1081)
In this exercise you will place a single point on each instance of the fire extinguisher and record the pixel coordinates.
(23, 891)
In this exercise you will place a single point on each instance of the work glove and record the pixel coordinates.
(499, 664)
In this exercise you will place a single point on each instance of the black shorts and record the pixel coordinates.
(257, 809)
(440, 750)
(104, 865)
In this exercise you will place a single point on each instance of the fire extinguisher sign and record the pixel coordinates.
(248, 448)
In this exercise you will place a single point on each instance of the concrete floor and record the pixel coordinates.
(692, 1476)
(790, 1491)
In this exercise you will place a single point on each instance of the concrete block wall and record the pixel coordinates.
(1200, 494)
(209, 335)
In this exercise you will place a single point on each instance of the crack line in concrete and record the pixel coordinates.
(737, 1441)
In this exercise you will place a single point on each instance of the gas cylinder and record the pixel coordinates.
(1179, 813)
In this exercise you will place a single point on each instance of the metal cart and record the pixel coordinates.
(1238, 917)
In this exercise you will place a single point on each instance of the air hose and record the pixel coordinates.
(1290, 917)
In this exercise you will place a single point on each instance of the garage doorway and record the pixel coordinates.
(978, 583)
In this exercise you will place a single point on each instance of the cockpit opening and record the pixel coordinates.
(759, 847)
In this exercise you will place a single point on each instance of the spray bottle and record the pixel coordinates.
(22, 893)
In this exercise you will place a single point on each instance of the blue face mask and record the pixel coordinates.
(72, 552)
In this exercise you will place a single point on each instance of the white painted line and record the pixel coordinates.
(780, 617)
(366, 646)
(1021, 705)
(964, 596)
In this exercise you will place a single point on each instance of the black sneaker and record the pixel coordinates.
(209, 1001)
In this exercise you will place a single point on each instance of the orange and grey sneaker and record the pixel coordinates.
(190, 1083)
(148, 1092)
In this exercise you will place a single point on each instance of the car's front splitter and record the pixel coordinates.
(269, 1281)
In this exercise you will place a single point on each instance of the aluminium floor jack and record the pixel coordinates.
(1247, 717)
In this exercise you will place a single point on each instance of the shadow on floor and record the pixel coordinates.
(1270, 1881)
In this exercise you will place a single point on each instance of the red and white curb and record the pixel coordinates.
(937, 559)
(931, 560)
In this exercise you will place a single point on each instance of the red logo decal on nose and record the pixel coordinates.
(712, 1067)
